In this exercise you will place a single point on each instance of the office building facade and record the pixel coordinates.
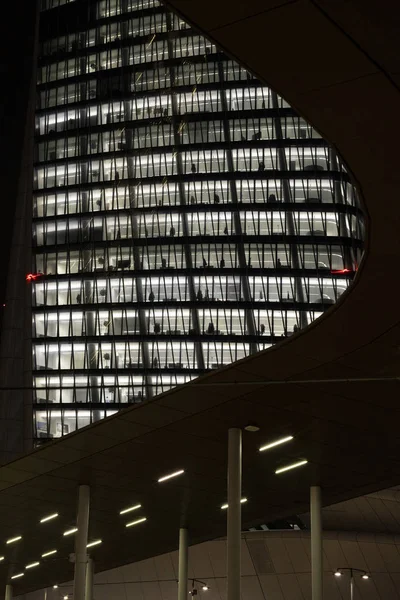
(184, 216)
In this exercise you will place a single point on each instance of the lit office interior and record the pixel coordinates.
(184, 216)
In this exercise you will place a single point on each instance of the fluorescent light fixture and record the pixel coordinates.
(70, 531)
(292, 466)
(205, 588)
(2, 558)
(338, 574)
(17, 575)
(49, 518)
(283, 440)
(365, 576)
(175, 474)
(31, 565)
(49, 553)
(136, 522)
(127, 510)
(14, 539)
(55, 587)
(242, 501)
(95, 543)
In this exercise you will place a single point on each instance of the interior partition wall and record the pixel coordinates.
(184, 215)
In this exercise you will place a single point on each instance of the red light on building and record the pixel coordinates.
(341, 271)
(33, 276)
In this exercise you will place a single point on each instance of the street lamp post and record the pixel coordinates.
(351, 570)
(204, 586)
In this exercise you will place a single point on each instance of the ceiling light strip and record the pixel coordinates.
(175, 474)
(31, 565)
(49, 518)
(130, 509)
(49, 553)
(136, 522)
(292, 466)
(95, 543)
(70, 531)
(283, 440)
(14, 539)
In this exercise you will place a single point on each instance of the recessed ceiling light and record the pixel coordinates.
(31, 565)
(126, 510)
(338, 574)
(205, 588)
(95, 543)
(242, 501)
(252, 428)
(292, 466)
(49, 553)
(70, 531)
(55, 587)
(365, 576)
(49, 518)
(14, 539)
(17, 575)
(276, 443)
(175, 474)
(136, 522)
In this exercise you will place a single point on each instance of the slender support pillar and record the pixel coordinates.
(234, 529)
(316, 543)
(89, 579)
(9, 592)
(183, 565)
(351, 585)
(81, 539)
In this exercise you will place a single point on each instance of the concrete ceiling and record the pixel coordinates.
(337, 63)
(349, 454)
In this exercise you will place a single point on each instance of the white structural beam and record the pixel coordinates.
(81, 540)
(183, 564)
(234, 527)
(316, 543)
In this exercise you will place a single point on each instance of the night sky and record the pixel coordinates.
(16, 39)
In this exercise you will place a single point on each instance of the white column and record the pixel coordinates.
(316, 543)
(234, 528)
(81, 540)
(183, 564)
(89, 579)
(9, 593)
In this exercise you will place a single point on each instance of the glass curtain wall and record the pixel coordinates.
(184, 215)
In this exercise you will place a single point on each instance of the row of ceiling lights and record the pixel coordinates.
(75, 529)
(50, 553)
(137, 506)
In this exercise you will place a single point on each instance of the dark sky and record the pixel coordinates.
(16, 40)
